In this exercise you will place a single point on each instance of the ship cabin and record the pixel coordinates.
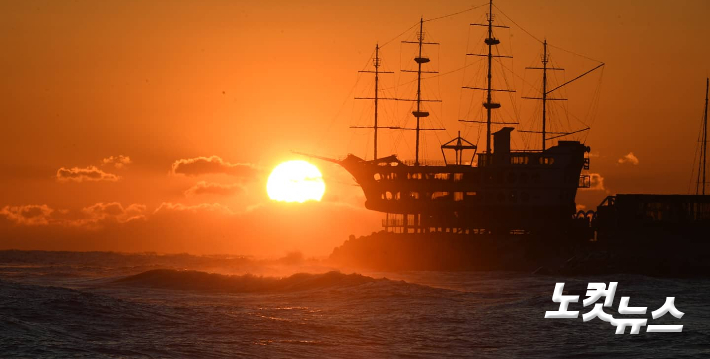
(502, 192)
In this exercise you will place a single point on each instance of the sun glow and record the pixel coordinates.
(295, 181)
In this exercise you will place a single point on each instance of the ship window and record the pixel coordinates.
(437, 195)
(442, 176)
(388, 195)
(519, 160)
(458, 196)
(458, 177)
(546, 160)
(393, 175)
(378, 177)
(397, 195)
(470, 193)
(414, 195)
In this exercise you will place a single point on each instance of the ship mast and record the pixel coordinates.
(700, 189)
(376, 62)
(489, 105)
(377, 80)
(490, 41)
(544, 92)
(545, 59)
(419, 113)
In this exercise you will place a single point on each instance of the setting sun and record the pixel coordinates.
(295, 181)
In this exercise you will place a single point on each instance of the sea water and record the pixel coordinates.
(108, 305)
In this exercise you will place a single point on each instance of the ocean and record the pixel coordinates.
(112, 305)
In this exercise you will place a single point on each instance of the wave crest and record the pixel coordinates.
(197, 280)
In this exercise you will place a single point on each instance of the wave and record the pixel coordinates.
(203, 281)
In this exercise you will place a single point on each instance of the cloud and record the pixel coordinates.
(272, 229)
(91, 173)
(629, 158)
(167, 207)
(596, 182)
(203, 187)
(31, 214)
(91, 216)
(119, 161)
(113, 212)
(211, 165)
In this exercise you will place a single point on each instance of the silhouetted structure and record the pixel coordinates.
(702, 162)
(504, 191)
(524, 197)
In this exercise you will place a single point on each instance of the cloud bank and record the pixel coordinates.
(91, 173)
(213, 165)
(31, 214)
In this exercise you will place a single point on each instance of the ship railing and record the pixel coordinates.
(428, 163)
(515, 158)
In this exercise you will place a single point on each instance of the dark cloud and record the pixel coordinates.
(91, 173)
(203, 187)
(211, 165)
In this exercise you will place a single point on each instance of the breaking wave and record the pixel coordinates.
(203, 281)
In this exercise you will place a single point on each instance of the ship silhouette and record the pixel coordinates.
(495, 191)
(505, 208)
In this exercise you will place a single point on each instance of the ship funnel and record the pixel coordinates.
(501, 140)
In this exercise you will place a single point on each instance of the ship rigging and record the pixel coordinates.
(504, 191)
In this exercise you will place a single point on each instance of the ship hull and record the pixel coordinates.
(510, 191)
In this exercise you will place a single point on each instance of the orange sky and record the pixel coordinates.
(160, 82)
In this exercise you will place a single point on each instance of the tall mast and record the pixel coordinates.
(545, 59)
(377, 79)
(705, 132)
(489, 105)
(418, 114)
(490, 41)
(544, 93)
(700, 189)
(376, 62)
